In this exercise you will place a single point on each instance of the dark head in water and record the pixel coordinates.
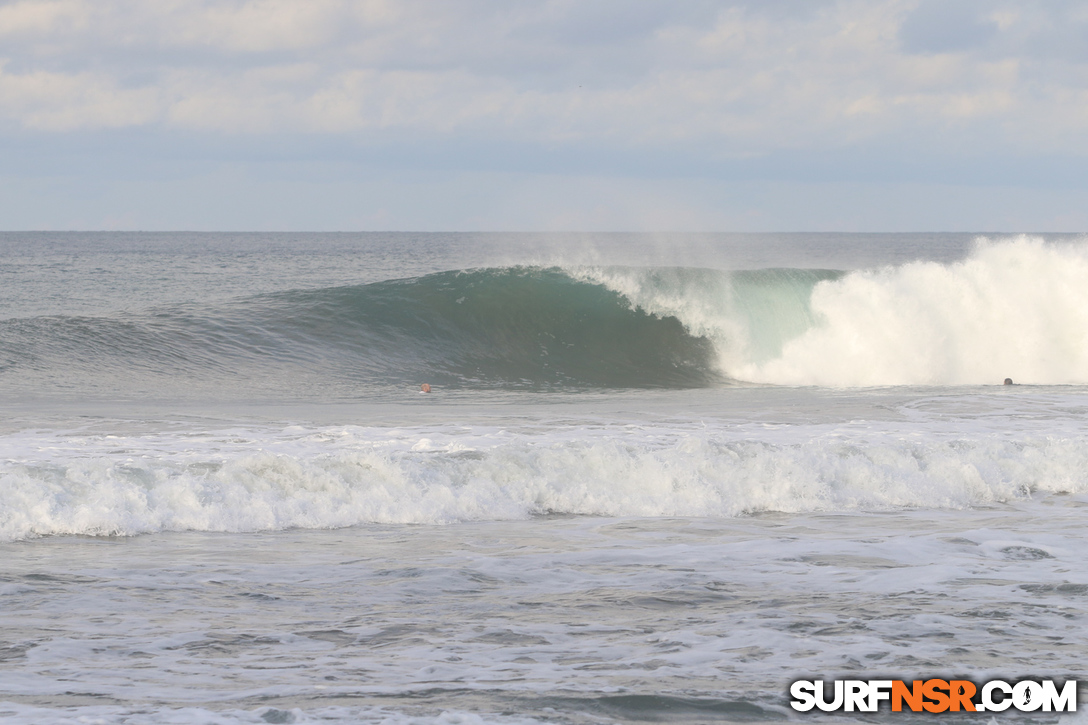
(1008, 381)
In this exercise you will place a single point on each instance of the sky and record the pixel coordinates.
(544, 115)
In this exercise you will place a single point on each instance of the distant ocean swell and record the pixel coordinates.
(238, 481)
(1015, 308)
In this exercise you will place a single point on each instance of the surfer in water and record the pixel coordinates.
(425, 388)
(1008, 381)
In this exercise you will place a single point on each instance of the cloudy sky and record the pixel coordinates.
(777, 115)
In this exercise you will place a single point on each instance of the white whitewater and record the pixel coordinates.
(1013, 308)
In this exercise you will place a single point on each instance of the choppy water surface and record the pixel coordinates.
(563, 620)
(658, 479)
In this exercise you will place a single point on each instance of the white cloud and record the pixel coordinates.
(37, 19)
(67, 101)
(742, 78)
(259, 26)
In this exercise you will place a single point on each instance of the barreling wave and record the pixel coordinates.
(1015, 308)
(490, 327)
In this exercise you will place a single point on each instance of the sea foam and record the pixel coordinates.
(1013, 308)
(257, 480)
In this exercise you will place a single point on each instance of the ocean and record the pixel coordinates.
(658, 478)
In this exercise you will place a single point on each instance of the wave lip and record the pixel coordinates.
(748, 315)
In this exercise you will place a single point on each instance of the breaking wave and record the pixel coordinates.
(252, 480)
(1015, 308)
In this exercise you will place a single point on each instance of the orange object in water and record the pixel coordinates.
(426, 388)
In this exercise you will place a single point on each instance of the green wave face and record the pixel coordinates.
(517, 326)
(489, 328)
